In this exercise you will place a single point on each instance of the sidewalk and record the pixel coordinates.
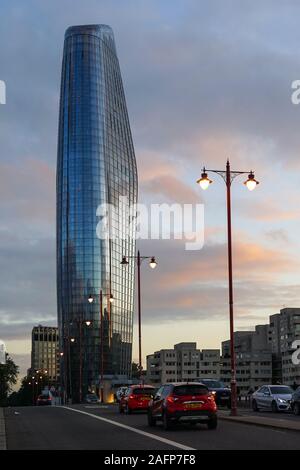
(277, 423)
(2, 431)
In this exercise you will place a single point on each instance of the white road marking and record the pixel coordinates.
(137, 431)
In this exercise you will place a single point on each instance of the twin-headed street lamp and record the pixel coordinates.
(152, 264)
(251, 183)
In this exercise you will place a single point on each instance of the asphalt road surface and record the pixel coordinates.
(98, 427)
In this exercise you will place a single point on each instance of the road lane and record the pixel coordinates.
(58, 428)
(228, 435)
(55, 428)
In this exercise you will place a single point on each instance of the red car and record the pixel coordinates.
(183, 403)
(44, 400)
(136, 397)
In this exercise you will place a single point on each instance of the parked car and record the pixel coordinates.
(119, 393)
(295, 402)
(272, 397)
(91, 398)
(44, 399)
(136, 397)
(221, 393)
(183, 403)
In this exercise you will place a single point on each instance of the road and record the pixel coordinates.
(97, 427)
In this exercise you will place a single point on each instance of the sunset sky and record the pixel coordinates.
(204, 81)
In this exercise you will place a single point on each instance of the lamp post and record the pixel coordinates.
(204, 182)
(152, 265)
(91, 300)
(80, 322)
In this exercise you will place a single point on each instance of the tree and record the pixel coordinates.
(24, 396)
(8, 377)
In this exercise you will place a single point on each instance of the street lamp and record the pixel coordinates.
(152, 265)
(251, 183)
(80, 322)
(91, 300)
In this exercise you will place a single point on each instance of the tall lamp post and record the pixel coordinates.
(80, 323)
(204, 182)
(91, 300)
(152, 265)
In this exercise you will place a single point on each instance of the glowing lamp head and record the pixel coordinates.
(111, 298)
(72, 340)
(153, 263)
(251, 182)
(88, 323)
(204, 181)
(90, 299)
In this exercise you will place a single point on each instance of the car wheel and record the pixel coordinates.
(274, 407)
(166, 422)
(128, 410)
(296, 409)
(151, 419)
(254, 406)
(212, 423)
(121, 409)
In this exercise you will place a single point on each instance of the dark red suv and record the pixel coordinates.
(183, 403)
(135, 398)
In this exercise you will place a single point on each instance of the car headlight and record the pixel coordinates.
(281, 400)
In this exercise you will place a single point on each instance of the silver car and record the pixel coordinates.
(272, 397)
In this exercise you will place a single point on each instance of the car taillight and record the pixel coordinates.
(172, 400)
(131, 396)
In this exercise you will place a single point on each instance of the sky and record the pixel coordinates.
(204, 81)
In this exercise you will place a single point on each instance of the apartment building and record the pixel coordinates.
(253, 359)
(182, 363)
(285, 330)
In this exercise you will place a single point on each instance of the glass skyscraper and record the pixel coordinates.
(95, 165)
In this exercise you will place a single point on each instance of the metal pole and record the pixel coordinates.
(80, 361)
(33, 400)
(139, 313)
(102, 348)
(232, 349)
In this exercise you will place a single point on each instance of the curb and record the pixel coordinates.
(2, 431)
(257, 422)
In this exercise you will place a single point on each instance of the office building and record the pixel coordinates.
(95, 166)
(44, 352)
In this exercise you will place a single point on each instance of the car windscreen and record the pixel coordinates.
(143, 391)
(213, 384)
(181, 390)
(281, 390)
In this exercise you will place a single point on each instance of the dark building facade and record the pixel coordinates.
(44, 352)
(95, 165)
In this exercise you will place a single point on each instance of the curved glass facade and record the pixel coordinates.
(95, 165)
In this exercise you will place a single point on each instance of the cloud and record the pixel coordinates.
(204, 81)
